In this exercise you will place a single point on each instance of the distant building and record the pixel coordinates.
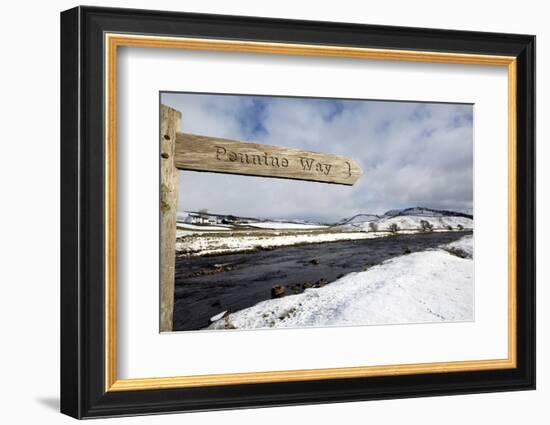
(205, 218)
(202, 218)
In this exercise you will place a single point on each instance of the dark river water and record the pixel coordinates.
(206, 286)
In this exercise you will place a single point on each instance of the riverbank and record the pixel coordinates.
(228, 234)
(435, 285)
(209, 285)
(231, 242)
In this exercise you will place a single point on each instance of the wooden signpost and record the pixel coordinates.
(202, 153)
(170, 122)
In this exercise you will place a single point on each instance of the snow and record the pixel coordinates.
(199, 227)
(412, 223)
(463, 247)
(428, 286)
(284, 225)
(221, 244)
(259, 225)
(218, 316)
(223, 239)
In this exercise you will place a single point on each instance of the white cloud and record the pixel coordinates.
(411, 154)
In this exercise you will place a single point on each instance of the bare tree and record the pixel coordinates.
(394, 227)
(426, 226)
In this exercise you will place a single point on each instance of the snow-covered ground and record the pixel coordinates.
(193, 239)
(205, 244)
(255, 225)
(413, 222)
(201, 227)
(464, 247)
(209, 243)
(428, 286)
(283, 225)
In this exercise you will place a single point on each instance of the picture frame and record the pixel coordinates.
(90, 40)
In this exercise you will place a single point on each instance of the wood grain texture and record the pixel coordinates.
(203, 153)
(170, 121)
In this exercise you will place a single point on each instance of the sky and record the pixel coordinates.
(411, 154)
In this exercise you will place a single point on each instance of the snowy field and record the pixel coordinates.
(213, 240)
(259, 225)
(278, 225)
(428, 286)
(209, 244)
(200, 228)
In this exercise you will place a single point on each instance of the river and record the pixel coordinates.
(206, 286)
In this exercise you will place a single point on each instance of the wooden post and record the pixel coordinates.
(170, 121)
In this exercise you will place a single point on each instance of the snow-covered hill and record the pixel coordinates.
(411, 223)
(426, 212)
(410, 219)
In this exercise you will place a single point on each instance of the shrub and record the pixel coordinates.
(394, 228)
(373, 227)
(425, 226)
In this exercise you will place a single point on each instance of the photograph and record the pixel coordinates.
(296, 212)
(284, 210)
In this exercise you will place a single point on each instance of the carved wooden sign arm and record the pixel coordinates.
(203, 153)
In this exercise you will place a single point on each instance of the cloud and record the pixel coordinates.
(411, 154)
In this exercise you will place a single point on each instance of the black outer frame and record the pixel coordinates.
(82, 212)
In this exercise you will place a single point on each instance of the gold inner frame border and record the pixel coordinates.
(113, 40)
